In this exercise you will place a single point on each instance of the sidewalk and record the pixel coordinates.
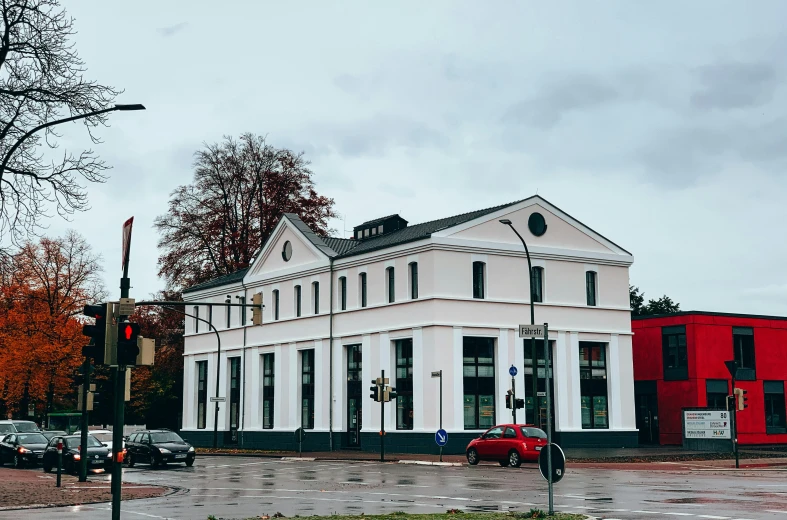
(25, 489)
(576, 455)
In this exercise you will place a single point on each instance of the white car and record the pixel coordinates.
(104, 437)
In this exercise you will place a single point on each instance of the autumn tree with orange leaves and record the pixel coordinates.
(44, 286)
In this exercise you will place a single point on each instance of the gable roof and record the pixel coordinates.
(226, 279)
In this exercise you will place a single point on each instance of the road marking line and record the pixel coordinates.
(775, 511)
(680, 514)
(648, 512)
(715, 517)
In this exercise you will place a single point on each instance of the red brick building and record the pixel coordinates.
(679, 362)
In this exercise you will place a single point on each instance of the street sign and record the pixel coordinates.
(217, 399)
(31, 409)
(125, 253)
(531, 331)
(558, 463)
(300, 434)
(512, 371)
(541, 394)
(711, 424)
(441, 437)
(126, 307)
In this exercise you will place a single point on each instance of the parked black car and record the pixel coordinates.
(158, 447)
(22, 449)
(99, 456)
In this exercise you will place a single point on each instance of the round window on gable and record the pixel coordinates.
(537, 224)
(286, 251)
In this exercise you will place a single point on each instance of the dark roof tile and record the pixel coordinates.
(226, 279)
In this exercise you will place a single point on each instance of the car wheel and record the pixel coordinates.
(47, 468)
(513, 459)
(17, 462)
(190, 462)
(154, 462)
(504, 462)
(130, 460)
(472, 457)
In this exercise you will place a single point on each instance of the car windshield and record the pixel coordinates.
(103, 437)
(91, 442)
(533, 433)
(32, 438)
(26, 427)
(7, 428)
(165, 437)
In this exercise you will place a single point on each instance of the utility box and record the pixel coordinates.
(147, 351)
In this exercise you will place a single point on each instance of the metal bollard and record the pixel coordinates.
(59, 461)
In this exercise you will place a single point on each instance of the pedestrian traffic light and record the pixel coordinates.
(509, 398)
(741, 399)
(520, 403)
(127, 348)
(390, 394)
(97, 332)
(375, 389)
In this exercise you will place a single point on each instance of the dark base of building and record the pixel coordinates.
(395, 442)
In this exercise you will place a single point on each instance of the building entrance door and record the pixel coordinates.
(540, 419)
(647, 413)
(354, 400)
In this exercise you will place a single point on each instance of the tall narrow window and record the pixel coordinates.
(343, 292)
(242, 300)
(298, 301)
(391, 284)
(774, 407)
(316, 296)
(414, 280)
(404, 384)
(537, 284)
(362, 277)
(593, 384)
(307, 389)
(478, 279)
(234, 393)
(210, 314)
(743, 348)
(537, 398)
(590, 287)
(675, 353)
(267, 391)
(275, 304)
(196, 319)
(229, 309)
(716, 393)
(479, 382)
(202, 393)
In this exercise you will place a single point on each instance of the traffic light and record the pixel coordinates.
(97, 332)
(256, 311)
(509, 398)
(127, 348)
(520, 403)
(375, 389)
(390, 394)
(741, 399)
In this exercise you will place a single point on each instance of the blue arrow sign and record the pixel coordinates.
(441, 437)
(512, 371)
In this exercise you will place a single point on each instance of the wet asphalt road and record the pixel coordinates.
(241, 487)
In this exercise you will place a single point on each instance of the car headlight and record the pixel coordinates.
(164, 451)
(77, 456)
(22, 449)
(191, 449)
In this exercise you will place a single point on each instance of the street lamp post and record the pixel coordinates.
(22, 139)
(534, 362)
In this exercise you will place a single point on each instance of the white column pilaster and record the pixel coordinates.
(224, 409)
(293, 387)
(339, 390)
(253, 389)
(562, 376)
(575, 416)
(189, 397)
(613, 384)
(279, 395)
(503, 379)
(519, 362)
(368, 411)
(320, 393)
(419, 379)
(387, 353)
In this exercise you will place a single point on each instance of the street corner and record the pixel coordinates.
(30, 489)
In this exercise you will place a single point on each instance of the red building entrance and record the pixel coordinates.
(679, 362)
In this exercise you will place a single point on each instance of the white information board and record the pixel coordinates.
(707, 424)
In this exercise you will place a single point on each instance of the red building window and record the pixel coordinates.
(774, 407)
(674, 350)
(743, 348)
(716, 391)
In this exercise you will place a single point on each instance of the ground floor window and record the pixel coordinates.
(593, 384)
(404, 384)
(307, 389)
(202, 393)
(774, 407)
(479, 382)
(267, 391)
(234, 393)
(716, 392)
(539, 396)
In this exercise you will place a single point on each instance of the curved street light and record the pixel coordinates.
(534, 362)
(22, 139)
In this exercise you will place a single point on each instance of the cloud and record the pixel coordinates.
(734, 85)
(171, 30)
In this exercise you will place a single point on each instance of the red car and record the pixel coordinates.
(508, 444)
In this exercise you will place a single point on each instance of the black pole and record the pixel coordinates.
(120, 405)
(536, 419)
(735, 424)
(59, 461)
(441, 410)
(513, 398)
(84, 420)
(382, 416)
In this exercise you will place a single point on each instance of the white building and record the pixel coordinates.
(443, 295)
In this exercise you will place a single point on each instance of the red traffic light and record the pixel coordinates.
(128, 331)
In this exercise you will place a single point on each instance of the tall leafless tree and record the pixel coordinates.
(41, 81)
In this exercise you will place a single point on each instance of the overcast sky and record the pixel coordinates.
(661, 124)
